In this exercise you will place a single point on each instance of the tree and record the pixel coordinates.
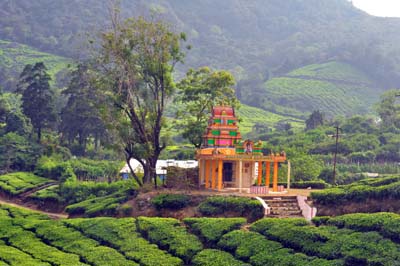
(315, 120)
(136, 62)
(80, 119)
(199, 91)
(389, 109)
(37, 97)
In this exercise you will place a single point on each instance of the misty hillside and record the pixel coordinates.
(258, 40)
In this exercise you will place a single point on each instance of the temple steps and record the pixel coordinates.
(283, 207)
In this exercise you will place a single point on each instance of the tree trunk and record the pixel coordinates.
(128, 161)
(39, 134)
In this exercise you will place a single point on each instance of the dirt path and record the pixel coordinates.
(50, 214)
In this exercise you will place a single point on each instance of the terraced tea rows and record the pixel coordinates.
(28, 238)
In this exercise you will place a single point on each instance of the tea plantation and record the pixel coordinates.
(29, 238)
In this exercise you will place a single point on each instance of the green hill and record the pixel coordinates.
(14, 56)
(334, 88)
(249, 116)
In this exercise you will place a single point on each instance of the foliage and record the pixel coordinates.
(17, 153)
(170, 201)
(168, 234)
(37, 97)
(122, 235)
(389, 110)
(72, 192)
(199, 91)
(210, 257)
(314, 184)
(246, 207)
(361, 191)
(212, 229)
(80, 119)
(19, 182)
(98, 206)
(136, 63)
(54, 168)
(331, 243)
(315, 120)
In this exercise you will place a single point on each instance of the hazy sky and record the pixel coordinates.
(382, 8)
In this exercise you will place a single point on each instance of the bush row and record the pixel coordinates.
(16, 183)
(255, 248)
(170, 201)
(107, 205)
(387, 224)
(212, 257)
(212, 229)
(168, 234)
(72, 241)
(13, 256)
(377, 188)
(121, 234)
(245, 207)
(329, 242)
(315, 184)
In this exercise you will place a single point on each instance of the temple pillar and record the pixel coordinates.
(220, 166)
(288, 175)
(200, 165)
(267, 173)
(213, 169)
(240, 176)
(275, 182)
(260, 167)
(207, 173)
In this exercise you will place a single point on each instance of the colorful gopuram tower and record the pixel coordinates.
(227, 161)
(222, 130)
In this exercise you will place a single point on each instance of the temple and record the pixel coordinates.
(226, 161)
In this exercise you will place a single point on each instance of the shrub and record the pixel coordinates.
(314, 184)
(212, 229)
(376, 188)
(19, 182)
(245, 207)
(211, 257)
(72, 241)
(167, 233)
(246, 244)
(122, 235)
(170, 201)
(55, 168)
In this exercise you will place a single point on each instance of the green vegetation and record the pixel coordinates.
(106, 205)
(334, 88)
(19, 182)
(330, 243)
(210, 257)
(212, 229)
(14, 56)
(245, 207)
(357, 239)
(168, 234)
(361, 191)
(170, 201)
(250, 116)
(122, 235)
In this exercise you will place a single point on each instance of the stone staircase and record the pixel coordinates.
(283, 206)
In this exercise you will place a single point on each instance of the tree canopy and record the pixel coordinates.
(135, 65)
(199, 91)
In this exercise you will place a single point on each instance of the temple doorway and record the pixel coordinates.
(227, 173)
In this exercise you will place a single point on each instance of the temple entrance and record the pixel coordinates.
(227, 172)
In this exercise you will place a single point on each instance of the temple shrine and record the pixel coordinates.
(226, 161)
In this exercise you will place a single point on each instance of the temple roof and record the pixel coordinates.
(223, 110)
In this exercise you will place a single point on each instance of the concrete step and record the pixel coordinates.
(286, 212)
